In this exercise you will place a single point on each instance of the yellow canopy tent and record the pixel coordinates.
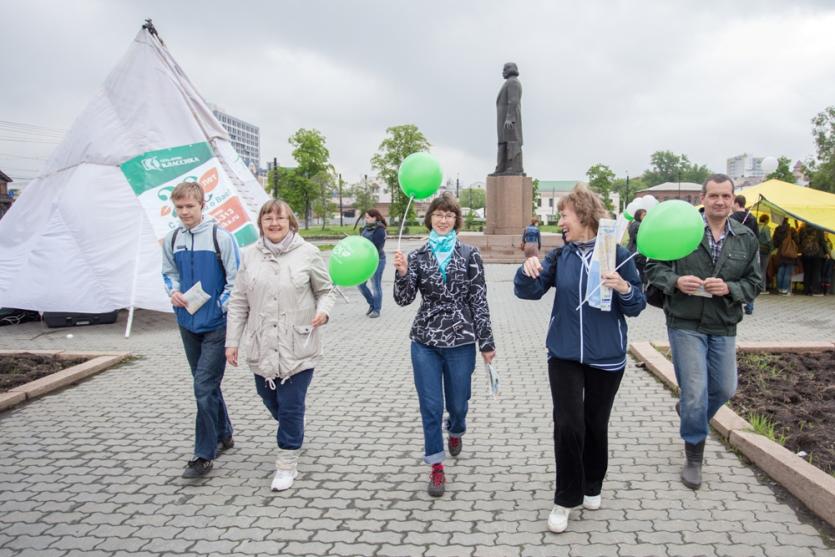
(781, 199)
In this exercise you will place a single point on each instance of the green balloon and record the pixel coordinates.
(672, 230)
(420, 175)
(627, 216)
(353, 260)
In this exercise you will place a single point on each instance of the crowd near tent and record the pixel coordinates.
(85, 235)
(782, 200)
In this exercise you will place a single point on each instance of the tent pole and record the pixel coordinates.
(135, 273)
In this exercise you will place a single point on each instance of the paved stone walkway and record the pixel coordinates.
(94, 469)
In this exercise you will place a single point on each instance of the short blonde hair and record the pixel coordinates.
(188, 189)
(282, 209)
(586, 204)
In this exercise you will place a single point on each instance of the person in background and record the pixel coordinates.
(813, 249)
(282, 298)
(199, 251)
(452, 322)
(764, 237)
(586, 350)
(375, 231)
(741, 214)
(531, 239)
(785, 239)
(632, 245)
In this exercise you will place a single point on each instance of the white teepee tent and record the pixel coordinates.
(85, 235)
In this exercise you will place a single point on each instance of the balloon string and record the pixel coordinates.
(403, 220)
(599, 284)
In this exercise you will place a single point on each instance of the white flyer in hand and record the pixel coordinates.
(195, 297)
(603, 261)
(492, 380)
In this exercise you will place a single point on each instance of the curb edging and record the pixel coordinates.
(99, 362)
(814, 487)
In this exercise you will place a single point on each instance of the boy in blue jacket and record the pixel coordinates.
(200, 251)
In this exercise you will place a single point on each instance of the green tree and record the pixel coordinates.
(400, 142)
(670, 167)
(312, 157)
(600, 180)
(783, 171)
(364, 199)
(472, 198)
(323, 204)
(822, 169)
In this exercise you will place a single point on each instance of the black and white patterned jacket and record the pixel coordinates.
(451, 314)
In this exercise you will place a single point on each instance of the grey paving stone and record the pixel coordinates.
(97, 461)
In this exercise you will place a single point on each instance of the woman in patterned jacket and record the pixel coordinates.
(453, 318)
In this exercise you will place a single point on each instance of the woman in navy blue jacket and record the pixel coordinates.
(375, 230)
(586, 350)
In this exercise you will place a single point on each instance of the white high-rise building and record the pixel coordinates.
(745, 166)
(246, 138)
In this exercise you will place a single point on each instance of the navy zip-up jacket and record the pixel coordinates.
(588, 336)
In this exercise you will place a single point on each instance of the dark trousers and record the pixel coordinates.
(812, 274)
(583, 398)
(207, 359)
(286, 403)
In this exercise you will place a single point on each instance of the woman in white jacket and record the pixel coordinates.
(282, 295)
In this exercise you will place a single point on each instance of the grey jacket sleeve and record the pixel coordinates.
(237, 310)
(320, 283)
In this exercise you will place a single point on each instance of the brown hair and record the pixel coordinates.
(740, 200)
(278, 206)
(763, 218)
(188, 189)
(377, 215)
(534, 221)
(444, 202)
(639, 214)
(587, 206)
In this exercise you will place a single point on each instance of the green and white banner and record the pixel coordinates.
(153, 176)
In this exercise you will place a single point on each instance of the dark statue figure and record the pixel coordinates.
(509, 124)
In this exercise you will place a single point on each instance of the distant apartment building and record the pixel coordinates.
(745, 166)
(245, 137)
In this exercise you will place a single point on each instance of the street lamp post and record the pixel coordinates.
(340, 200)
(625, 199)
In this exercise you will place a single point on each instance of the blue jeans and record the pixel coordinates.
(784, 277)
(206, 354)
(706, 373)
(375, 298)
(286, 404)
(443, 377)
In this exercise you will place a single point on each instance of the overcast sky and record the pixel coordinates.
(603, 81)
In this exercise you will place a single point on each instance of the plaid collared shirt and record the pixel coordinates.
(716, 245)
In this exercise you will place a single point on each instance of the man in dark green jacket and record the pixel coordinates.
(704, 295)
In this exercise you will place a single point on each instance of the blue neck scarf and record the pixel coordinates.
(441, 247)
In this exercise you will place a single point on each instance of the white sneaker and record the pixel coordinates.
(592, 502)
(558, 519)
(283, 479)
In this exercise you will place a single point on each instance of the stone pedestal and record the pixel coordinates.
(508, 205)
